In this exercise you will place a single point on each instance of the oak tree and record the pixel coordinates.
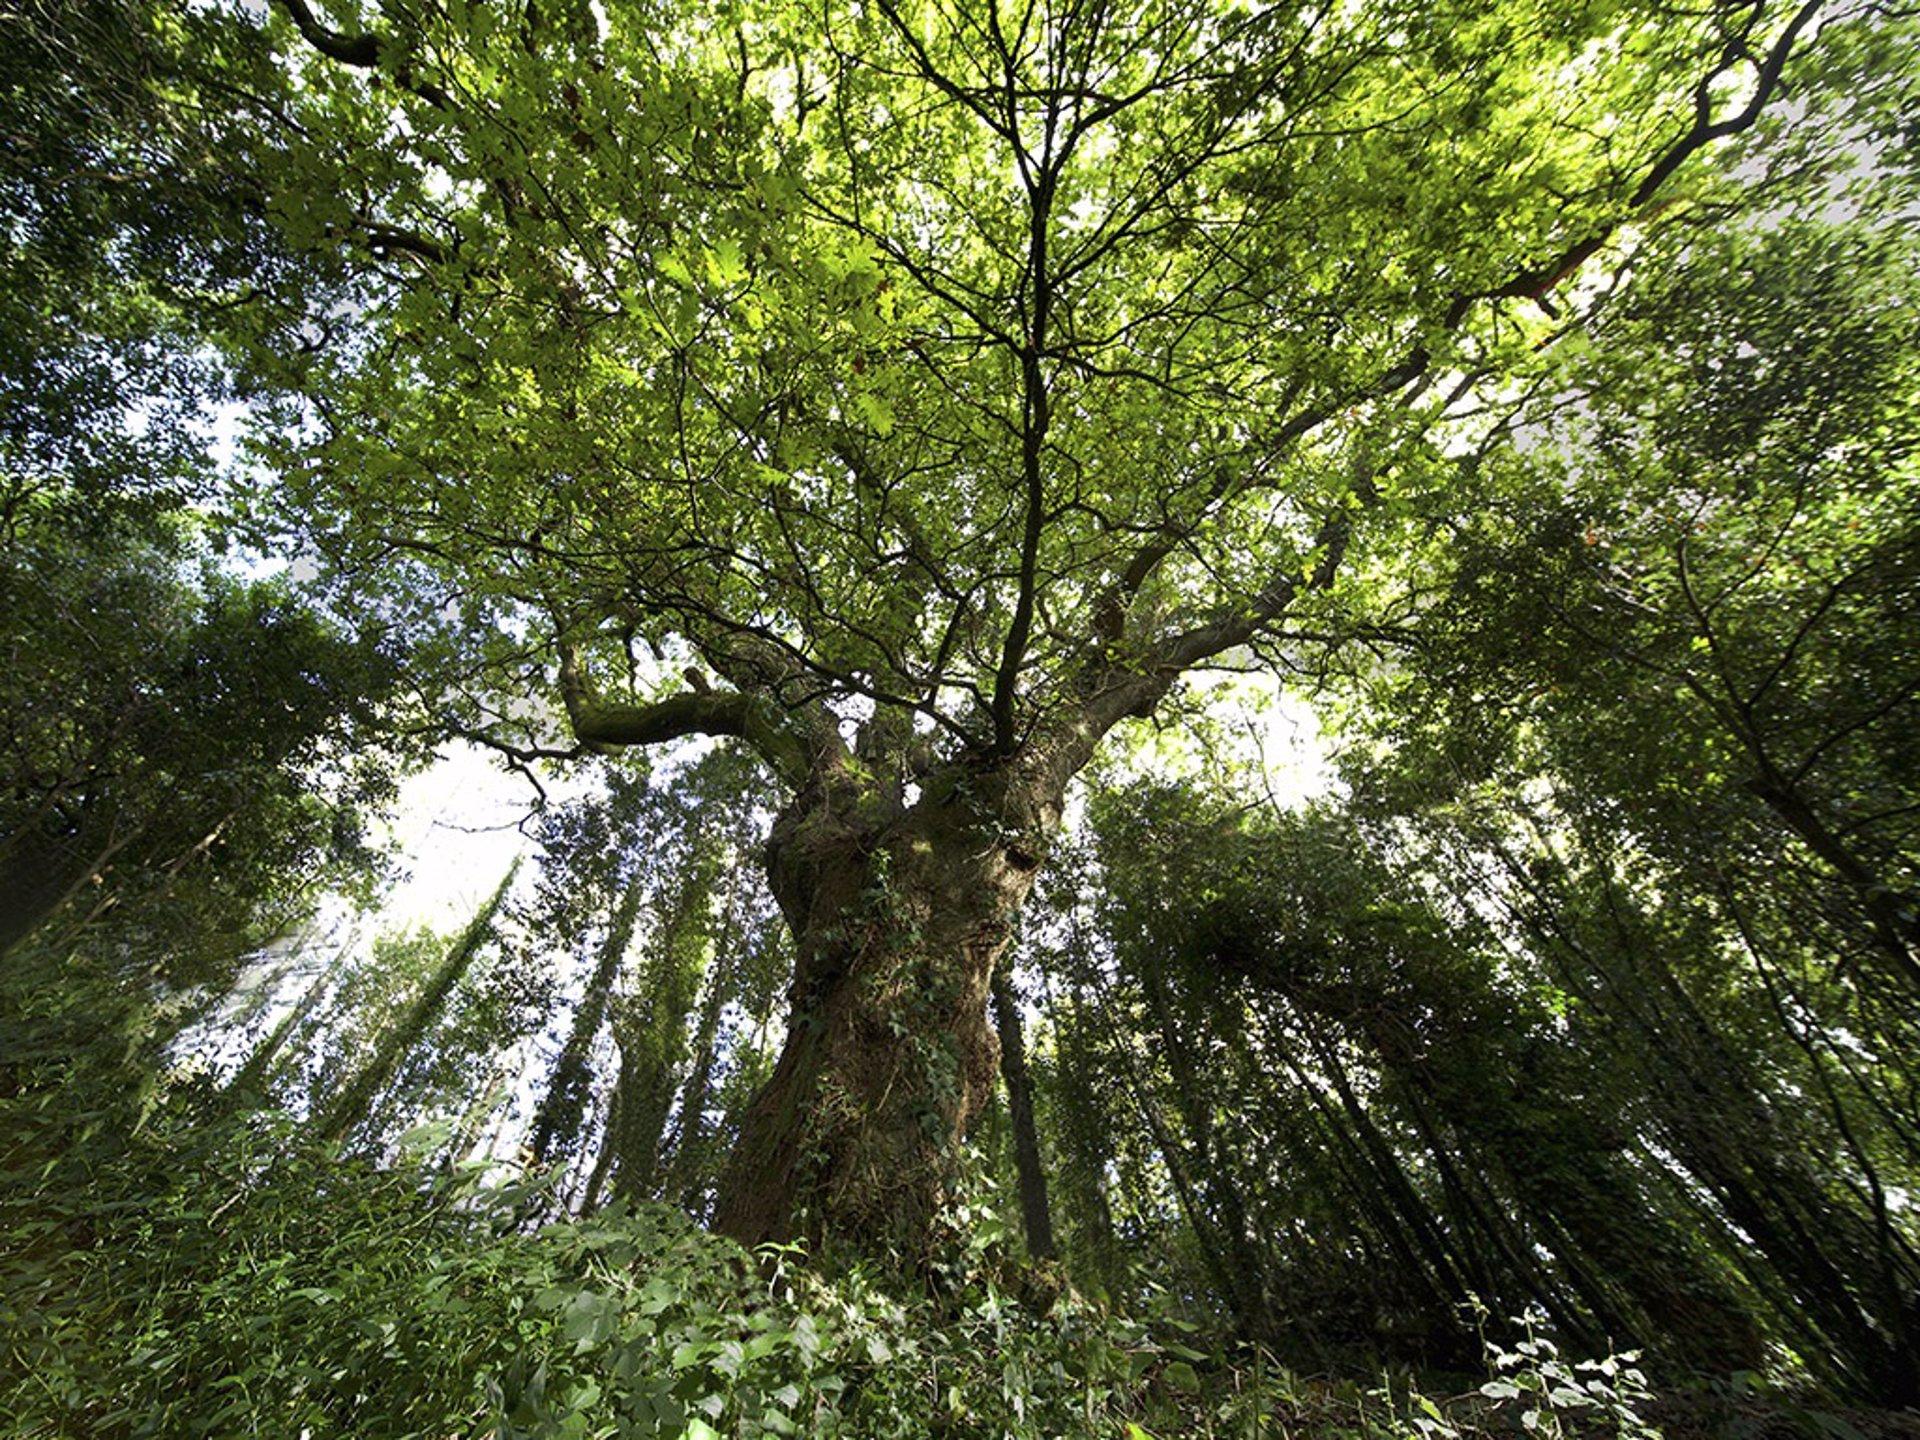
(933, 384)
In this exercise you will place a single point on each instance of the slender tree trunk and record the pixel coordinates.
(627, 1148)
(1386, 1208)
(355, 1099)
(250, 1079)
(603, 1162)
(1173, 1154)
(35, 887)
(562, 1109)
(1035, 1215)
(1243, 1277)
(1458, 1271)
(1715, 1119)
(683, 1182)
(29, 893)
(652, 1034)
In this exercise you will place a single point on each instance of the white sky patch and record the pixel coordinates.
(458, 825)
(1253, 740)
(1291, 752)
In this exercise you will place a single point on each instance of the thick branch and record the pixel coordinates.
(363, 52)
(1117, 690)
(727, 713)
(1034, 422)
(1036, 415)
(387, 239)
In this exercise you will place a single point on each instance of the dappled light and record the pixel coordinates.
(1090, 718)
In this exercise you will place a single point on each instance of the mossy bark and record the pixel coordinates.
(899, 918)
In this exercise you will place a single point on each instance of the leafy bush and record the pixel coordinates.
(1556, 1398)
(267, 1287)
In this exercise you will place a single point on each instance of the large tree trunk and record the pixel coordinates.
(899, 916)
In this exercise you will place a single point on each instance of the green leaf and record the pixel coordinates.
(1182, 1376)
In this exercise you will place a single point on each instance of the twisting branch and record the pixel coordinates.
(600, 723)
(605, 725)
(1535, 282)
(1116, 690)
(363, 52)
(1538, 282)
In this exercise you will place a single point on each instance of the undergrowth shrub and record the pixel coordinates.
(263, 1287)
(171, 1269)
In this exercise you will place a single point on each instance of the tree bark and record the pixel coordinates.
(900, 906)
(1035, 1214)
(1085, 1136)
(899, 916)
(250, 1079)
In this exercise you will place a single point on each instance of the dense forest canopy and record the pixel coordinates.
(834, 454)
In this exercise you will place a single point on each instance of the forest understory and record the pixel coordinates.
(959, 718)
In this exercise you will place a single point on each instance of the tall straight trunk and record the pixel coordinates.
(1459, 1272)
(627, 1150)
(603, 1162)
(562, 1108)
(889, 1054)
(1084, 1136)
(683, 1181)
(1243, 1277)
(1715, 1118)
(1035, 1215)
(250, 1079)
(355, 1099)
(689, 1144)
(35, 886)
(1398, 1217)
(652, 1035)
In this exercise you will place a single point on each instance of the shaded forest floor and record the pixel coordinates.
(224, 1279)
(1682, 1417)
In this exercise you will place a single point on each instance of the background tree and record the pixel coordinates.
(348, 1105)
(167, 736)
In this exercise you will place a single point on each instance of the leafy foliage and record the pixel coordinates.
(904, 402)
(350, 1301)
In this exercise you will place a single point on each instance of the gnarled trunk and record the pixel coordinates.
(899, 915)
